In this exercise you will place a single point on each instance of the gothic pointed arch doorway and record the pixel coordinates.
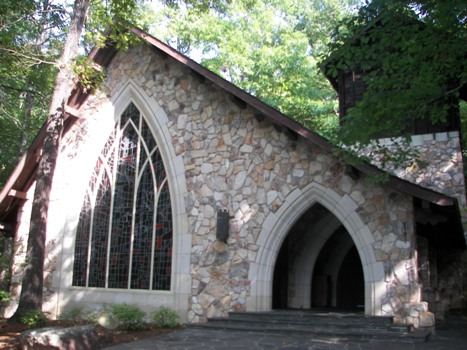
(318, 265)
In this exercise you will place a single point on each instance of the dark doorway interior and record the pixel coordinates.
(319, 243)
(280, 282)
(338, 274)
(350, 282)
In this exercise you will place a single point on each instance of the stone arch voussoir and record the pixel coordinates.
(277, 226)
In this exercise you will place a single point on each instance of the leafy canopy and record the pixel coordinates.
(31, 35)
(414, 57)
(267, 47)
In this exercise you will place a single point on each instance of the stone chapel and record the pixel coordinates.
(175, 188)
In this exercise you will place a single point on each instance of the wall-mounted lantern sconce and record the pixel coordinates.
(222, 229)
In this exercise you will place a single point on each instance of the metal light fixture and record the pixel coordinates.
(222, 229)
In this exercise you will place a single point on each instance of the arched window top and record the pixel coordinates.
(124, 235)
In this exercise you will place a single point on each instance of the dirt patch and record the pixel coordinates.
(9, 333)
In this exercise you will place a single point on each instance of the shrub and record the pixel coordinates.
(75, 314)
(33, 318)
(4, 296)
(131, 317)
(93, 316)
(165, 317)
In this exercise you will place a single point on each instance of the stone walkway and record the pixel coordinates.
(450, 334)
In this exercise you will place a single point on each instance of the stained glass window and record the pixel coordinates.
(124, 234)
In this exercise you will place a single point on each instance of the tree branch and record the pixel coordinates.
(20, 90)
(32, 58)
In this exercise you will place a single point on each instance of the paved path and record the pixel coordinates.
(450, 335)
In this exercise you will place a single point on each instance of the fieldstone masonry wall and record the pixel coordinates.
(441, 166)
(236, 161)
(440, 169)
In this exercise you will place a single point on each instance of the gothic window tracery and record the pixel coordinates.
(124, 234)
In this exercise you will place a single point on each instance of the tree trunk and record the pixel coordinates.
(32, 284)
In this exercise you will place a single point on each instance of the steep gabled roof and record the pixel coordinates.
(22, 177)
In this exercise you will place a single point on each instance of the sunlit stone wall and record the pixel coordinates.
(230, 159)
(236, 162)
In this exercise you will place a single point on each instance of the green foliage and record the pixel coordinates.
(31, 40)
(29, 44)
(33, 318)
(4, 296)
(93, 316)
(108, 21)
(268, 48)
(6, 255)
(131, 317)
(74, 314)
(165, 317)
(463, 117)
(200, 5)
(5, 261)
(411, 54)
(89, 76)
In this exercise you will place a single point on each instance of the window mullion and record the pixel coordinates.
(135, 199)
(93, 193)
(154, 221)
(114, 170)
(147, 177)
(92, 202)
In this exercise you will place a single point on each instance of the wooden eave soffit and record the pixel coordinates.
(73, 112)
(18, 194)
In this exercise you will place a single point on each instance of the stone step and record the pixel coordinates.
(317, 325)
(341, 336)
(308, 325)
(314, 317)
